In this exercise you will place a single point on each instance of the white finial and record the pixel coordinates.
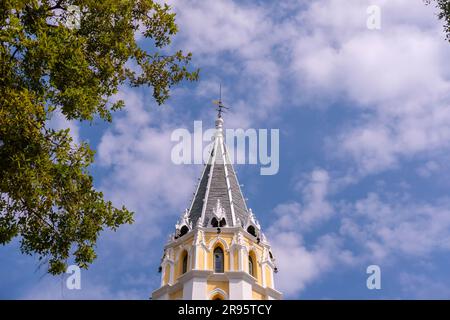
(219, 211)
(219, 123)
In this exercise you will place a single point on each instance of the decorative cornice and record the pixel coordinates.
(242, 275)
(204, 274)
(273, 293)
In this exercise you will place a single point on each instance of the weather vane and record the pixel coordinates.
(219, 103)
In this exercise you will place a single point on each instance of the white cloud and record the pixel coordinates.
(381, 69)
(243, 41)
(315, 207)
(59, 122)
(299, 263)
(137, 152)
(429, 168)
(364, 231)
(211, 27)
(398, 77)
(385, 229)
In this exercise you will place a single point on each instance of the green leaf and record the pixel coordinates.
(47, 197)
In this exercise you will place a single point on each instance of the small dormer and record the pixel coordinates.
(252, 225)
(183, 226)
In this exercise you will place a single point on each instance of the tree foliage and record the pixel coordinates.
(444, 13)
(47, 198)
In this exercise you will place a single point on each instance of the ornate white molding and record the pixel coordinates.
(199, 239)
(183, 221)
(213, 242)
(219, 212)
(252, 221)
(218, 291)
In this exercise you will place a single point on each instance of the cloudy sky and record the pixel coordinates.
(364, 120)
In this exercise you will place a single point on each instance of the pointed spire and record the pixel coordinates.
(218, 185)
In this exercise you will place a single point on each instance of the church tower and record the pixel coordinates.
(218, 250)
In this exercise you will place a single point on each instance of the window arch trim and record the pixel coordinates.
(217, 292)
(184, 263)
(218, 259)
(252, 263)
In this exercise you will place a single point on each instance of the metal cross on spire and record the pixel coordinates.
(219, 103)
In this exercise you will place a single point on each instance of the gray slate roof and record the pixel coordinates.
(217, 180)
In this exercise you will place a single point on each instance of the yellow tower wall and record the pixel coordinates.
(205, 261)
(257, 296)
(176, 295)
(268, 277)
(166, 274)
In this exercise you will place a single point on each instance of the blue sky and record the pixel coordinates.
(364, 121)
